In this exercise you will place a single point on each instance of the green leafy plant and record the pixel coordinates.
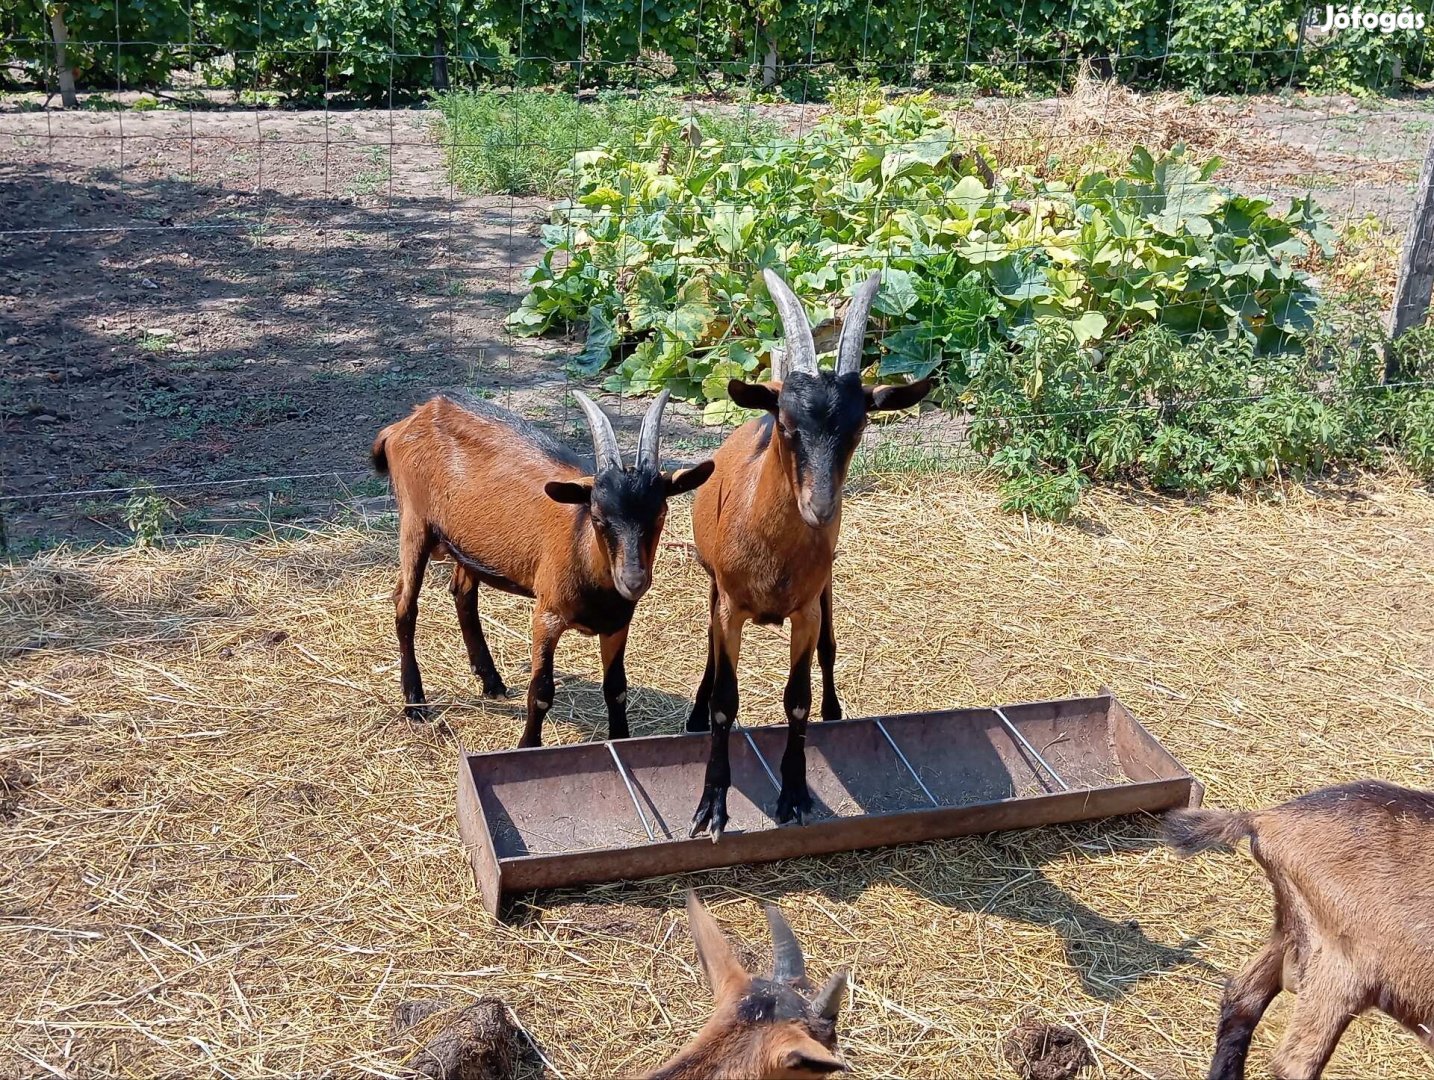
(660, 253)
(145, 512)
(1189, 415)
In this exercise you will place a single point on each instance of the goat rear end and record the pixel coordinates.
(1352, 871)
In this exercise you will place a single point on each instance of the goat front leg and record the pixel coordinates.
(826, 657)
(727, 648)
(465, 602)
(614, 682)
(414, 545)
(1247, 996)
(547, 628)
(701, 717)
(794, 801)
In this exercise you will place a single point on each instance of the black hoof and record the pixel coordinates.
(832, 715)
(699, 722)
(494, 689)
(417, 712)
(793, 808)
(619, 733)
(527, 742)
(711, 815)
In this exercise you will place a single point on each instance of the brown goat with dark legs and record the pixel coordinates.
(1352, 869)
(763, 1028)
(518, 511)
(766, 531)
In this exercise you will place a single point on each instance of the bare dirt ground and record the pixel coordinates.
(197, 298)
(223, 852)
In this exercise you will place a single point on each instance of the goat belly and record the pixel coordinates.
(486, 574)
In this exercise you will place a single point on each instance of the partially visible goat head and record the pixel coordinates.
(820, 415)
(764, 1026)
(627, 505)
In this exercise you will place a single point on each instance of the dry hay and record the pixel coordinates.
(228, 854)
(1100, 121)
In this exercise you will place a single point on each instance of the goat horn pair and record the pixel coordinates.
(790, 967)
(605, 448)
(800, 353)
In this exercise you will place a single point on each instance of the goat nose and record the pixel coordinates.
(634, 583)
(821, 507)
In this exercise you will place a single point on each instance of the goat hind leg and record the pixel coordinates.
(465, 602)
(1247, 996)
(1325, 1005)
(414, 545)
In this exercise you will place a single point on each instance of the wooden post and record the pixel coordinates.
(63, 74)
(1416, 267)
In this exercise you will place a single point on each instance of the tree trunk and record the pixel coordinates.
(769, 63)
(440, 61)
(63, 74)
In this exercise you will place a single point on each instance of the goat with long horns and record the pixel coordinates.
(766, 531)
(762, 1027)
(518, 511)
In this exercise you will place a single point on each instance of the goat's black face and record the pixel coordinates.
(819, 421)
(627, 508)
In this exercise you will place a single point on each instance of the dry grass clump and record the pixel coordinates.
(232, 856)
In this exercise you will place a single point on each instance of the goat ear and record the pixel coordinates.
(754, 395)
(811, 1058)
(883, 398)
(570, 491)
(688, 479)
(724, 974)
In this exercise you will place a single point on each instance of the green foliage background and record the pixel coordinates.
(365, 47)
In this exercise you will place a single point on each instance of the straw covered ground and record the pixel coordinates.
(222, 852)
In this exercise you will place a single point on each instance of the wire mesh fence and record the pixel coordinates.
(266, 231)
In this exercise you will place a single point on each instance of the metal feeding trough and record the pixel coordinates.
(617, 811)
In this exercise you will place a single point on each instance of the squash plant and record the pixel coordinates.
(660, 252)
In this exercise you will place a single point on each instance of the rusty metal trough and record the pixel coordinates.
(619, 811)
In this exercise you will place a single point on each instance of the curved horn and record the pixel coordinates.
(647, 437)
(604, 441)
(830, 998)
(853, 331)
(800, 348)
(788, 965)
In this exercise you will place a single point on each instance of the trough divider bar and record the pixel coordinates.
(765, 767)
(924, 789)
(631, 794)
(1029, 748)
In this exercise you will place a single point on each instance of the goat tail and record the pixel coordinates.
(1189, 831)
(379, 453)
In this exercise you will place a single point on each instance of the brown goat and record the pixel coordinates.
(1352, 869)
(762, 1027)
(766, 530)
(518, 511)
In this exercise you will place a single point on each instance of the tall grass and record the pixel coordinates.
(519, 143)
